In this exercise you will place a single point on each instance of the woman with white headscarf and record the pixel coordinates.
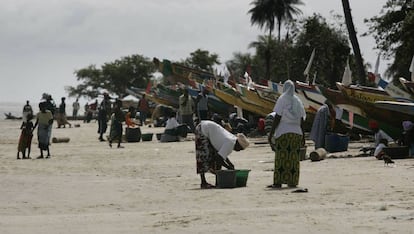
(286, 137)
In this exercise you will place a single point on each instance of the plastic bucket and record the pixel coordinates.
(146, 136)
(226, 178)
(336, 142)
(241, 177)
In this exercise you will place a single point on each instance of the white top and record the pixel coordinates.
(382, 135)
(221, 139)
(171, 123)
(286, 125)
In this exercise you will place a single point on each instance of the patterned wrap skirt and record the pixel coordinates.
(44, 132)
(25, 140)
(287, 159)
(206, 155)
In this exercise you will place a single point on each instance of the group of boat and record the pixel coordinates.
(356, 105)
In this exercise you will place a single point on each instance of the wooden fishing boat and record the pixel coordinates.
(251, 96)
(175, 72)
(401, 107)
(394, 91)
(232, 97)
(408, 85)
(364, 94)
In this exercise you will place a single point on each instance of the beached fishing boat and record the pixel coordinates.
(251, 96)
(232, 97)
(400, 107)
(365, 98)
(408, 85)
(178, 73)
(394, 91)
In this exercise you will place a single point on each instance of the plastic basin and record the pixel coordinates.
(226, 178)
(241, 177)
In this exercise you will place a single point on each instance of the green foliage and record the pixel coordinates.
(332, 50)
(265, 12)
(202, 59)
(290, 56)
(394, 35)
(115, 77)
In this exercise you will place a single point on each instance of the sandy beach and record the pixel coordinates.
(152, 187)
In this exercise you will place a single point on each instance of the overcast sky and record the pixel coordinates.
(43, 42)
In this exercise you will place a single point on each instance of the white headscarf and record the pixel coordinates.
(295, 109)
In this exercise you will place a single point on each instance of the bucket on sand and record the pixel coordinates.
(226, 178)
(147, 136)
(241, 177)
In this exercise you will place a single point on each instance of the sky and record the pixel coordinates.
(43, 42)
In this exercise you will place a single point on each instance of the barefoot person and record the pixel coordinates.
(213, 146)
(286, 137)
(25, 140)
(44, 121)
(117, 118)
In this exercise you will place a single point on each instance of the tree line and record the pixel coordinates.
(278, 58)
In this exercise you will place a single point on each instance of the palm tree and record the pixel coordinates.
(354, 41)
(265, 12)
(264, 47)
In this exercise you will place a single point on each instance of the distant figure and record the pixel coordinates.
(25, 140)
(103, 112)
(173, 130)
(324, 121)
(286, 137)
(143, 108)
(117, 118)
(213, 146)
(186, 109)
(202, 105)
(408, 139)
(160, 115)
(75, 108)
(50, 104)
(27, 110)
(378, 133)
(88, 114)
(61, 118)
(379, 150)
(128, 117)
(44, 121)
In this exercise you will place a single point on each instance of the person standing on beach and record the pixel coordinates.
(117, 118)
(44, 121)
(324, 121)
(27, 110)
(75, 109)
(103, 112)
(25, 140)
(202, 105)
(286, 137)
(143, 108)
(213, 145)
(186, 109)
(61, 115)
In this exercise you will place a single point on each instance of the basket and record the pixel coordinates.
(241, 177)
(147, 136)
(226, 178)
(133, 134)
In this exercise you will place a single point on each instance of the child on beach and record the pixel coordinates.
(25, 140)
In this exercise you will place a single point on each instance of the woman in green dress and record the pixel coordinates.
(286, 137)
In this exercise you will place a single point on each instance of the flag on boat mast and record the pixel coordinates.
(347, 77)
(306, 72)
